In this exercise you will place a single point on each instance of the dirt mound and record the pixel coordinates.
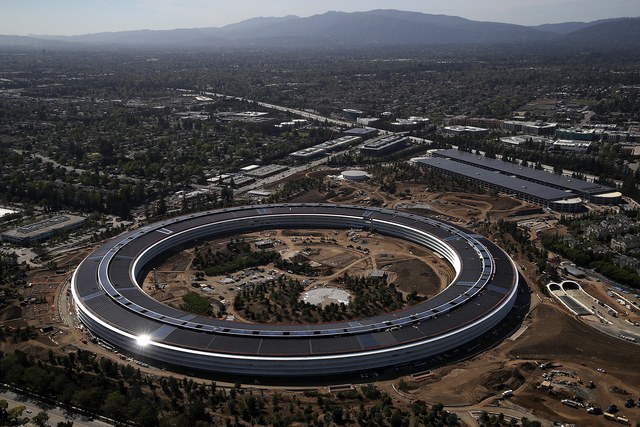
(508, 379)
(618, 390)
(528, 367)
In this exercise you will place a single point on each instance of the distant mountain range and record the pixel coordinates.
(565, 28)
(373, 28)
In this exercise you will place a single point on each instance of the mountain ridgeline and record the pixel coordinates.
(372, 28)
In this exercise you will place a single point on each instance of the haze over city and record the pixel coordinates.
(72, 17)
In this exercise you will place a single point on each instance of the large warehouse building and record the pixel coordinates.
(591, 191)
(111, 303)
(530, 192)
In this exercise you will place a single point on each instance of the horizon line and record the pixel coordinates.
(293, 16)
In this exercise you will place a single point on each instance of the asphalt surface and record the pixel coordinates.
(56, 414)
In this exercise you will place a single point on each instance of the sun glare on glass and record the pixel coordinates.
(143, 340)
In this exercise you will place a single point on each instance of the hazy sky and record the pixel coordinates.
(68, 17)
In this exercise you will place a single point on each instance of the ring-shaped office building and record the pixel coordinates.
(110, 302)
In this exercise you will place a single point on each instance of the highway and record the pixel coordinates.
(295, 111)
(301, 113)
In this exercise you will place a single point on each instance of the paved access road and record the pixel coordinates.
(56, 414)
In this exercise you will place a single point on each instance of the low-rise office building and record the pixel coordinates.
(266, 171)
(351, 114)
(338, 143)
(571, 145)
(514, 140)
(367, 121)
(531, 128)
(363, 133)
(308, 153)
(384, 145)
(42, 230)
(482, 122)
(411, 123)
(576, 134)
(522, 139)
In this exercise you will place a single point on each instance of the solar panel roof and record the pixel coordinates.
(507, 182)
(547, 178)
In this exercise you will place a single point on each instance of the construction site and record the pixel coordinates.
(568, 362)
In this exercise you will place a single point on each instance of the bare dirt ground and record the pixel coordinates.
(417, 279)
(551, 336)
(413, 196)
(471, 206)
(556, 336)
